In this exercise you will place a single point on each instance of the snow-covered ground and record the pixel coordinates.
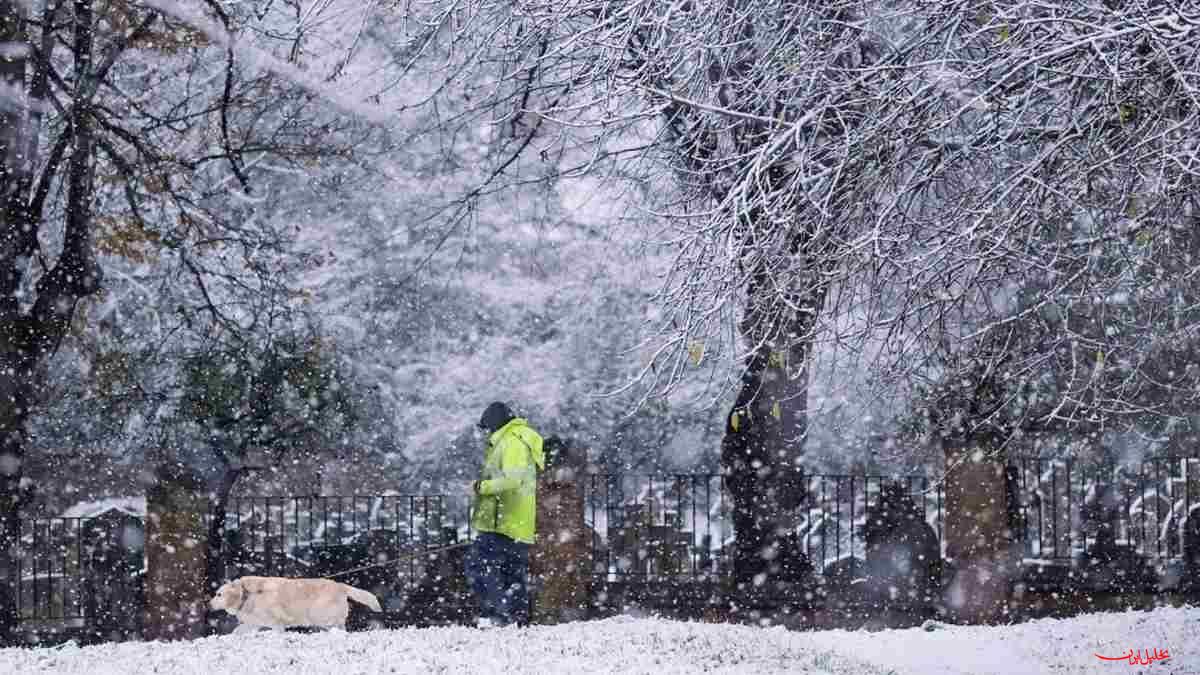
(636, 645)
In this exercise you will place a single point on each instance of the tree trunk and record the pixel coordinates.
(979, 541)
(214, 574)
(15, 395)
(28, 337)
(763, 445)
(15, 371)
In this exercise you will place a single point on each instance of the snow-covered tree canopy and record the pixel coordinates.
(908, 182)
(891, 204)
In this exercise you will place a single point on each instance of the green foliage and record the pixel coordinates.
(284, 392)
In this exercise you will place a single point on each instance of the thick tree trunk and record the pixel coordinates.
(28, 337)
(15, 371)
(214, 574)
(763, 445)
(979, 541)
(15, 395)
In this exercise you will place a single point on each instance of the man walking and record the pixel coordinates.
(497, 566)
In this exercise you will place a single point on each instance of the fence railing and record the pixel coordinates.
(646, 527)
(78, 568)
(321, 535)
(833, 519)
(1069, 507)
(642, 528)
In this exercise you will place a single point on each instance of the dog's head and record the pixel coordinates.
(228, 597)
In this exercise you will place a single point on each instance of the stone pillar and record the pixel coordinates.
(1191, 556)
(979, 541)
(560, 562)
(176, 557)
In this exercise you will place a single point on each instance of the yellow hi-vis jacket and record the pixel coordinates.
(507, 501)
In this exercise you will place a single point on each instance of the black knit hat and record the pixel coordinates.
(496, 415)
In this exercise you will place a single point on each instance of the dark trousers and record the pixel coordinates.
(498, 570)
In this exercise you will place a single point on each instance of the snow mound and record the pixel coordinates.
(128, 506)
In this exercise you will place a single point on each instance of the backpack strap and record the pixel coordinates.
(528, 452)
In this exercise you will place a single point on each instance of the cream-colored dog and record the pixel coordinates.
(276, 602)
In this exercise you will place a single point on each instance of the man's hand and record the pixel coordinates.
(475, 487)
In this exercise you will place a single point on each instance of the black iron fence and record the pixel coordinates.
(324, 535)
(392, 545)
(646, 527)
(832, 523)
(641, 528)
(83, 569)
(1069, 508)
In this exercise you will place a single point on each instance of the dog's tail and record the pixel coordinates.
(363, 597)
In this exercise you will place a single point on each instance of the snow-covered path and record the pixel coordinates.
(629, 645)
(1046, 646)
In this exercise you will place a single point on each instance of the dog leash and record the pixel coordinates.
(401, 558)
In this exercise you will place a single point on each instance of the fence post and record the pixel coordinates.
(1191, 549)
(559, 565)
(176, 556)
(979, 541)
